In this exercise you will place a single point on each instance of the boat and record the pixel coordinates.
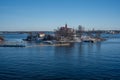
(47, 42)
(88, 39)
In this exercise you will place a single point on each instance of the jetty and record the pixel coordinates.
(12, 45)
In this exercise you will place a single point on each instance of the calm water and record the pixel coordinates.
(80, 61)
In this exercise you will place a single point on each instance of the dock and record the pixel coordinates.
(8, 45)
(12, 44)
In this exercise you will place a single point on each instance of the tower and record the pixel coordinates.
(66, 26)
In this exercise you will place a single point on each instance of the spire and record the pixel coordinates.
(65, 25)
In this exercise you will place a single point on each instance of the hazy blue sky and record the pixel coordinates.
(50, 14)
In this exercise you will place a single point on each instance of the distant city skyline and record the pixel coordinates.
(47, 15)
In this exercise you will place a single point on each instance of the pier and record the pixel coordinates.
(7, 45)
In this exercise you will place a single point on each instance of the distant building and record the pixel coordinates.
(64, 33)
(80, 30)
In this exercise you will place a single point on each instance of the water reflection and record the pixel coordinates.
(77, 49)
(64, 50)
(98, 46)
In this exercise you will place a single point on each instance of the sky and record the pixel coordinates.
(47, 15)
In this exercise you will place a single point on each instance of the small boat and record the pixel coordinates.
(47, 42)
(88, 39)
